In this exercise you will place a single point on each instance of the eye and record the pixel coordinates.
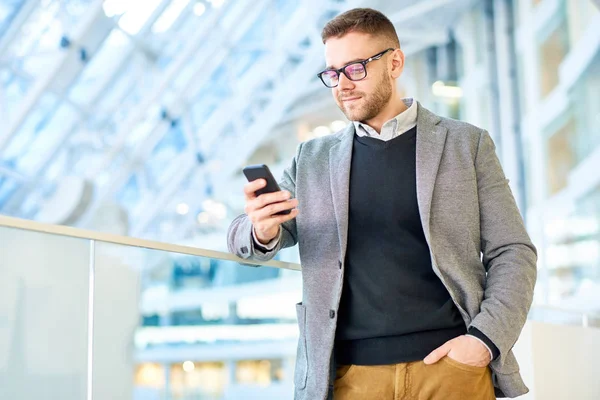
(355, 71)
(329, 74)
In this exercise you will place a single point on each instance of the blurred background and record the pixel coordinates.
(135, 117)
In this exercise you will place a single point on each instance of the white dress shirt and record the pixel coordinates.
(393, 128)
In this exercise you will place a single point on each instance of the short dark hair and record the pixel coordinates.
(363, 20)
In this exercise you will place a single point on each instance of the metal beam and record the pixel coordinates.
(509, 91)
(156, 206)
(250, 88)
(15, 27)
(209, 30)
(244, 144)
(68, 60)
(11, 174)
(33, 181)
(439, 34)
(246, 14)
(419, 9)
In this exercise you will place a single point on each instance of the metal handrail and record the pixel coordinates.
(61, 230)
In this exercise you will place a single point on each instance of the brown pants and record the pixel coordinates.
(445, 380)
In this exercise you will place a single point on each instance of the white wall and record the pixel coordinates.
(559, 362)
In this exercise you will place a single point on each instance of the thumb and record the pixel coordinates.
(438, 353)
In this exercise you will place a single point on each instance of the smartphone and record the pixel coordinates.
(261, 171)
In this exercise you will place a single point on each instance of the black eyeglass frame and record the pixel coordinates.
(343, 69)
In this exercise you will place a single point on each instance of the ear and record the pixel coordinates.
(397, 61)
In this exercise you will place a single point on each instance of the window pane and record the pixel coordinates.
(552, 52)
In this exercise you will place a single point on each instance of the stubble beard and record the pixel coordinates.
(371, 105)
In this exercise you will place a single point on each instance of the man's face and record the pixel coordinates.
(360, 100)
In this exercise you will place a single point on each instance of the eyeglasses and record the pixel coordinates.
(355, 71)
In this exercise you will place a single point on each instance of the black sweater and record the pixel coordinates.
(394, 308)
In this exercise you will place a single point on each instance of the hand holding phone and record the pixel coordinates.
(267, 205)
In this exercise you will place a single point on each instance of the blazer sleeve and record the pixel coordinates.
(509, 256)
(240, 239)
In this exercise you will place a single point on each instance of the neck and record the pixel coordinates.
(394, 107)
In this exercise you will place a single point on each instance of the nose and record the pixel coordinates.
(344, 83)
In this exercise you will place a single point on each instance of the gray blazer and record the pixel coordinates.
(479, 247)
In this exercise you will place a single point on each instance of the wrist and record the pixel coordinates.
(262, 240)
(481, 342)
(494, 351)
(268, 246)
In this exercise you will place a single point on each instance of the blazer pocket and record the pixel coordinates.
(301, 370)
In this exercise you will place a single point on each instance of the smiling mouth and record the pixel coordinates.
(350, 99)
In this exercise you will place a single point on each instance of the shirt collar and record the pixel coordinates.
(401, 123)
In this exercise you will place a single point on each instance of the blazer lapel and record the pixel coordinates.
(431, 139)
(340, 157)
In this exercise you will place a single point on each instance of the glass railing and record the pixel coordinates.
(88, 315)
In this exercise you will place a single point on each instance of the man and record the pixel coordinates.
(418, 271)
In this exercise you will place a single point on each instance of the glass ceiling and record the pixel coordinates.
(130, 95)
(145, 100)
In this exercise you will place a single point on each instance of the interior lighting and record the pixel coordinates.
(199, 9)
(217, 3)
(182, 209)
(169, 16)
(204, 218)
(337, 125)
(188, 366)
(441, 89)
(321, 131)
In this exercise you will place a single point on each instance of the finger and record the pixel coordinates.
(264, 215)
(438, 353)
(273, 208)
(257, 203)
(280, 219)
(251, 187)
(275, 221)
(268, 198)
